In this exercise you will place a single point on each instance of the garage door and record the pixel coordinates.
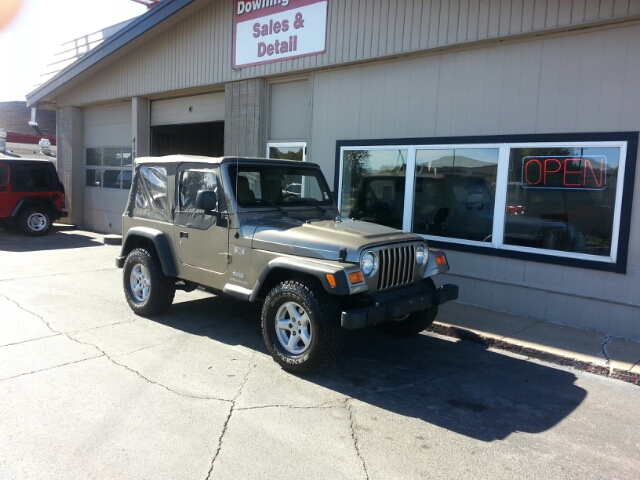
(107, 166)
(195, 109)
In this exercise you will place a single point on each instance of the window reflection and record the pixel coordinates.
(455, 192)
(373, 185)
(562, 198)
(192, 182)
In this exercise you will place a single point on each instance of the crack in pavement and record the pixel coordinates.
(51, 368)
(228, 419)
(104, 326)
(30, 340)
(322, 406)
(354, 437)
(423, 382)
(521, 330)
(32, 313)
(144, 348)
(107, 356)
(55, 274)
(605, 352)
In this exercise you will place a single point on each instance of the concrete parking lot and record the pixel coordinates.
(89, 390)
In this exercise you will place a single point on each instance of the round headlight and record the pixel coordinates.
(422, 254)
(369, 263)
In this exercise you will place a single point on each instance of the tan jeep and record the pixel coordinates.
(236, 226)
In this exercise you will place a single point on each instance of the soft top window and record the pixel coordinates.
(255, 185)
(151, 193)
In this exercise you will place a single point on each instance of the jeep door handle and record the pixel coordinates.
(184, 235)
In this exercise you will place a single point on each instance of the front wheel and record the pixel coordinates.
(301, 326)
(147, 289)
(414, 323)
(35, 221)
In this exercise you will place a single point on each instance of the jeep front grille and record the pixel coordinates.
(396, 266)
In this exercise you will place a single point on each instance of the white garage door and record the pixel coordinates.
(195, 109)
(107, 141)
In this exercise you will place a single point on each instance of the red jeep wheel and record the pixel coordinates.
(35, 221)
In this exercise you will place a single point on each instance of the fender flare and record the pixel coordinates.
(33, 200)
(161, 243)
(315, 269)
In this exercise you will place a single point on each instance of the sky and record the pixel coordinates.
(29, 42)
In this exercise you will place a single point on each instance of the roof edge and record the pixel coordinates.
(135, 29)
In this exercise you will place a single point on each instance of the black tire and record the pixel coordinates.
(415, 322)
(317, 340)
(35, 221)
(7, 225)
(147, 289)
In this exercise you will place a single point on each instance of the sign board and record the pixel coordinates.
(267, 31)
(565, 173)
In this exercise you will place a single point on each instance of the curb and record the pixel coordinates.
(112, 240)
(466, 335)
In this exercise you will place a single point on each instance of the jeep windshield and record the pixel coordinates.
(270, 185)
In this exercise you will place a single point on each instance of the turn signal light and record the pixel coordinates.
(356, 277)
(441, 260)
(331, 279)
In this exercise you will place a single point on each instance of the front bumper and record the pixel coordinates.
(394, 304)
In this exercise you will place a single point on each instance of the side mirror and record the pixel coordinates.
(206, 200)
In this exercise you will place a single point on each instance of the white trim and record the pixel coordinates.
(303, 145)
(499, 214)
(500, 204)
(410, 179)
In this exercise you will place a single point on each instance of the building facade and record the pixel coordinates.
(504, 131)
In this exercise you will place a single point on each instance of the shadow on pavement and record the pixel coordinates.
(58, 239)
(459, 386)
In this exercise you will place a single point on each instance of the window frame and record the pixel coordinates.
(303, 145)
(627, 142)
(102, 167)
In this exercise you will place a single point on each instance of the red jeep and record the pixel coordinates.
(31, 195)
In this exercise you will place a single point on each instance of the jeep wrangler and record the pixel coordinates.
(31, 195)
(235, 226)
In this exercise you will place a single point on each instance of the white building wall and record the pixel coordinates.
(197, 51)
(582, 82)
(434, 68)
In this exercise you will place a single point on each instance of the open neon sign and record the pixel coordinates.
(566, 173)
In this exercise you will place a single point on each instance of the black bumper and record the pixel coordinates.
(392, 305)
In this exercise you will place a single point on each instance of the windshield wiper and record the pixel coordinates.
(271, 204)
(309, 202)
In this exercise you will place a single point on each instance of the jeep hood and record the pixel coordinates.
(319, 238)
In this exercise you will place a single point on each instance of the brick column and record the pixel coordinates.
(141, 126)
(245, 118)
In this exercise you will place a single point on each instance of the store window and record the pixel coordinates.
(295, 185)
(287, 151)
(562, 198)
(374, 185)
(454, 192)
(109, 167)
(549, 201)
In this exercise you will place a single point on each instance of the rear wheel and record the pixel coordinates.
(35, 221)
(147, 289)
(412, 324)
(300, 326)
